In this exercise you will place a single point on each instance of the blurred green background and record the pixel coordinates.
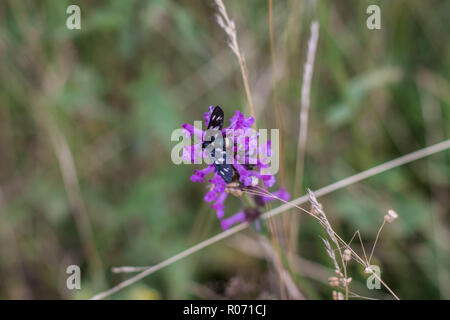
(85, 123)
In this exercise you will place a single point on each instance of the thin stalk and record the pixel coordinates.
(410, 157)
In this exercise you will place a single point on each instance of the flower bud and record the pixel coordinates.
(333, 281)
(390, 216)
(347, 255)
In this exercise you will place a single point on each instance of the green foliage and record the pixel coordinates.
(117, 88)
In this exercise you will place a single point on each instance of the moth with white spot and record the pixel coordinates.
(215, 123)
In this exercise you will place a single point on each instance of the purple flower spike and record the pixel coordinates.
(245, 176)
(218, 186)
(269, 180)
(238, 121)
(248, 161)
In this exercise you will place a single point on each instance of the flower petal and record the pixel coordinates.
(219, 206)
(193, 153)
(282, 194)
(238, 121)
(193, 130)
(207, 115)
(199, 175)
(245, 176)
(236, 218)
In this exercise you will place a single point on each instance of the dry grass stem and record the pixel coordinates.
(444, 145)
(230, 29)
(303, 131)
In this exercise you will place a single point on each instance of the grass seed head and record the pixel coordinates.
(391, 216)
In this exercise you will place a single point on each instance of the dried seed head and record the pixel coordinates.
(338, 295)
(339, 273)
(333, 281)
(233, 189)
(236, 192)
(345, 282)
(390, 216)
(233, 185)
(314, 211)
(347, 255)
(314, 203)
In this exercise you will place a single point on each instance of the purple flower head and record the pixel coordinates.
(248, 161)
(199, 175)
(239, 121)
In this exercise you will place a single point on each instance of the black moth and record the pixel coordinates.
(215, 123)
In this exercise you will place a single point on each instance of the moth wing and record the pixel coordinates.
(216, 119)
(224, 170)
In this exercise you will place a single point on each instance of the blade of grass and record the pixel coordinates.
(308, 69)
